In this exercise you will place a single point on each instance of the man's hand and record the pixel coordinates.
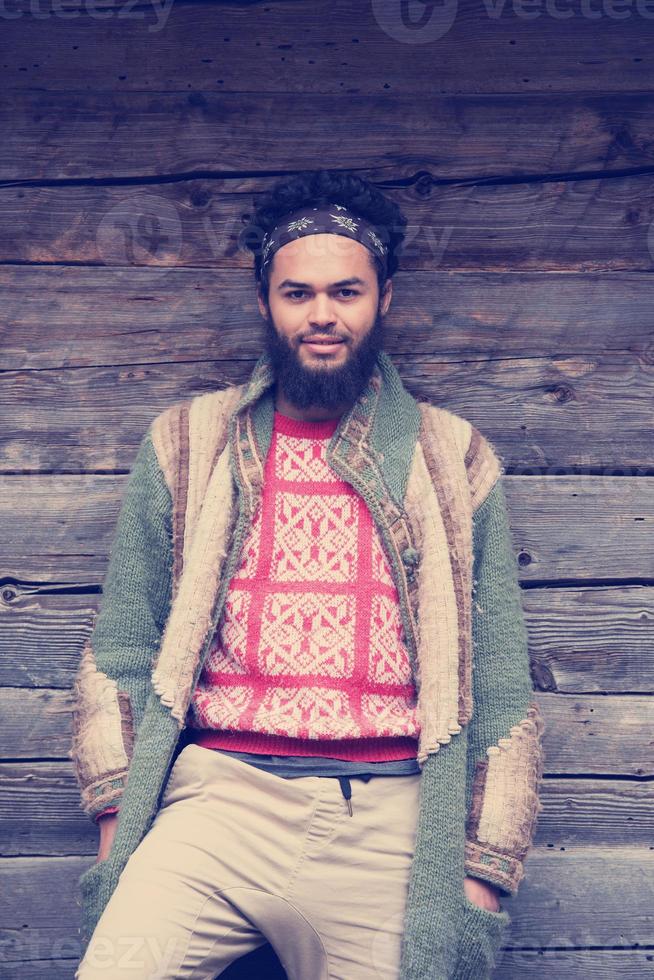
(108, 823)
(482, 893)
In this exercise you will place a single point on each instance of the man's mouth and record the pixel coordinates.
(322, 340)
(324, 346)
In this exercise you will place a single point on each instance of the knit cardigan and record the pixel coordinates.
(433, 484)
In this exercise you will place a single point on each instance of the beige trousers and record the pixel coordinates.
(237, 856)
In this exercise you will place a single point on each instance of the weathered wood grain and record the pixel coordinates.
(565, 529)
(589, 735)
(573, 897)
(42, 634)
(581, 640)
(545, 415)
(591, 640)
(40, 811)
(575, 964)
(604, 224)
(53, 135)
(332, 46)
(57, 317)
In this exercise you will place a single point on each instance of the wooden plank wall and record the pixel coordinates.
(519, 139)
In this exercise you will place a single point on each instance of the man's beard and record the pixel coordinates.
(325, 385)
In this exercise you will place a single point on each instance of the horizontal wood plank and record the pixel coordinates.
(54, 135)
(42, 634)
(585, 734)
(111, 317)
(581, 640)
(577, 897)
(544, 415)
(575, 964)
(591, 225)
(326, 46)
(40, 812)
(591, 640)
(565, 529)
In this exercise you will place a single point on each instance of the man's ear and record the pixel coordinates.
(386, 296)
(262, 304)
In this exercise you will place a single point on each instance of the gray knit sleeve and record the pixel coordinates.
(112, 682)
(505, 755)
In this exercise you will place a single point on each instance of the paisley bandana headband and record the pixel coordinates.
(333, 219)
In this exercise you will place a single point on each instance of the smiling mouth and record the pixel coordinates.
(323, 347)
(327, 343)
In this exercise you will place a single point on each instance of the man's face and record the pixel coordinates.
(323, 286)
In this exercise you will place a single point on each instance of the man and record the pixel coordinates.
(312, 584)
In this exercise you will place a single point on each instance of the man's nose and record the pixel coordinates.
(322, 311)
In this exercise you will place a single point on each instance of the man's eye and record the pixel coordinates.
(346, 290)
(294, 292)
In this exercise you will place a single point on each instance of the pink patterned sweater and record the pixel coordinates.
(308, 658)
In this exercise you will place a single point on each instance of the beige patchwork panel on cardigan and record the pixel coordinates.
(437, 501)
(102, 735)
(505, 789)
(191, 439)
(505, 804)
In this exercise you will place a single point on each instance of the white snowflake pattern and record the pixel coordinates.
(343, 222)
(267, 245)
(300, 224)
(377, 242)
(340, 207)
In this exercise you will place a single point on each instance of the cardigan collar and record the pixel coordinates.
(375, 448)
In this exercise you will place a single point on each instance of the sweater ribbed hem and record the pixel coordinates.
(352, 749)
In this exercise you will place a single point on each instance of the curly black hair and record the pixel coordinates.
(318, 187)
